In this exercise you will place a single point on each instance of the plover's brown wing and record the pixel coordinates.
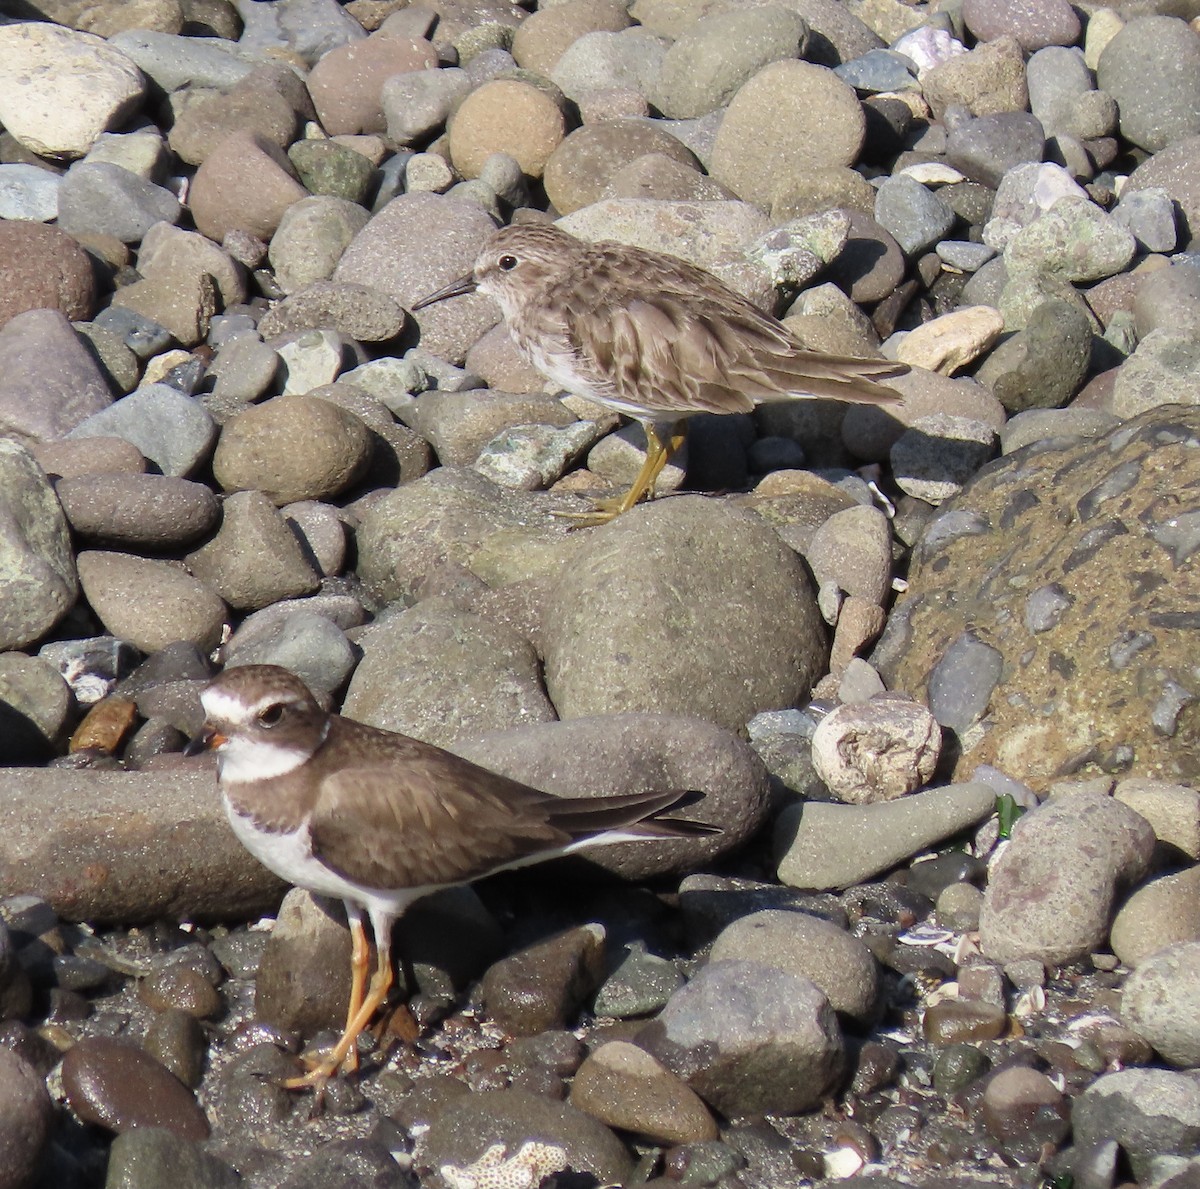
(435, 818)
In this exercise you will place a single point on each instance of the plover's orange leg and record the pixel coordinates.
(376, 996)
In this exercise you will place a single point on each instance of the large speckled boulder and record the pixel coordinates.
(1052, 609)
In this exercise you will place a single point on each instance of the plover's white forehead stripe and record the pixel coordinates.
(220, 705)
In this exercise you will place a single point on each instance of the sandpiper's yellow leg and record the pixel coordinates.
(658, 454)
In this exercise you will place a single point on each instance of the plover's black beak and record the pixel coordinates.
(459, 288)
(208, 738)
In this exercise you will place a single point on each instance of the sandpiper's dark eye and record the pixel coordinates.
(270, 715)
(507, 263)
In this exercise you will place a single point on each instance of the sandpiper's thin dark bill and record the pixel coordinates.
(653, 337)
(379, 820)
(459, 288)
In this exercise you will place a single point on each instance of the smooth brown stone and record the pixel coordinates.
(119, 1086)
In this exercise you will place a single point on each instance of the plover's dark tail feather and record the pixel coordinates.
(635, 815)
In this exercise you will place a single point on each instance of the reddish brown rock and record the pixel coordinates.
(42, 267)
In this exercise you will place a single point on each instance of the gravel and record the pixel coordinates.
(224, 439)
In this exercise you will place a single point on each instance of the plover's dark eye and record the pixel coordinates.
(507, 263)
(270, 715)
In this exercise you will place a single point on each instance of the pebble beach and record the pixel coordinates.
(933, 666)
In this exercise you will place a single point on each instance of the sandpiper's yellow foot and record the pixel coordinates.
(658, 454)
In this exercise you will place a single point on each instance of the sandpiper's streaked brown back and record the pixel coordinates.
(652, 336)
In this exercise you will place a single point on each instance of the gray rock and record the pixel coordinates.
(154, 511)
(304, 642)
(1046, 363)
(254, 559)
(937, 454)
(150, 1156)
(28, 192)
(437, 673)
(605, 61)
(49, 381)
(37, 566)
(749, 1038)
(170, 429)
(878, 71)
(839, 964)
(416, 244)
(460, 424)
(36, 706)
(312, 236)
(1148, 1112)
(1058, 79)
(634, 752)
(705, 66)
(173, 61)
(1051, 892)
(1162, 371)
(26, 1119)
(1168, 299)
(150, 604)
(542, 986)
(852, 550)
(715, 655)
(986, 148)
(419, 102)
(1075, 241)
(1151, 67)
(83, 841)
(105, 199)
(913, 213)
(531, 457)
(1159, 1003)
(825, 846)
(639, 985)
(780, 122)
(446, 516)
(1026, 192)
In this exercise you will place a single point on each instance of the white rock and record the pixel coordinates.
(877, 750)
(60, 89)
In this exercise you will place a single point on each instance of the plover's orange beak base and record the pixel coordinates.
(459, 288)
(209, 739)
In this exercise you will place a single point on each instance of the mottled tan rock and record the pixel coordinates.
(506, 116)
(150, 603)
(292, 448)
(623, 1086)
(346, 84)
(582, 165)
(543, 36)
(789, 117)
(245, 184)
